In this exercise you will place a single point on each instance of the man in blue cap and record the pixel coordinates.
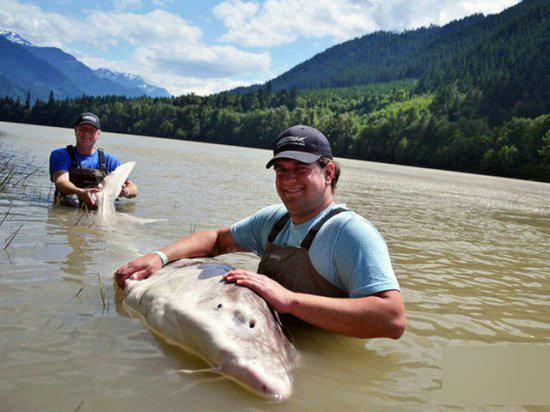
(78, 170)
(320, 262)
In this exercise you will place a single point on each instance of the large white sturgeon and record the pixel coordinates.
(111, 186)
(188, 304)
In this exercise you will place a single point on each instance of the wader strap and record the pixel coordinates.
(101, 156)
(75, 164)
(277, 227)
(308, 240)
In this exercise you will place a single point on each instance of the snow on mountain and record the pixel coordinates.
(14, 37)
(132, 80)
(82, 79)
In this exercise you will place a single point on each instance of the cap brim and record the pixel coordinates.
(292, 154)
(88, 122)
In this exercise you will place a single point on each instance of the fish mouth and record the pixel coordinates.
(260, 384)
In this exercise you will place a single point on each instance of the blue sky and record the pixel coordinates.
(209, 46)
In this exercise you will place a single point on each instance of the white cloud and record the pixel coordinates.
(122, 5)
(154, 28)
(213, 61)
(187, 84)
(37, 26)
(276, 22)
(156, 42)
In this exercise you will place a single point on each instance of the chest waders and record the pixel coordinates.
(82, 177)
(291, 266)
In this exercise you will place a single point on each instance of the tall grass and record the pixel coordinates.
(17, 170)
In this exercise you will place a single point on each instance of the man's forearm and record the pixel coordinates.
(66, 187)
(381, 315)
(202, 244)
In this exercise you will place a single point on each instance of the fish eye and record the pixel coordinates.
(252, 324)
(219, 306)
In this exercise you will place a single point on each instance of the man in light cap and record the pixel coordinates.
(320, 262)
(78, 170)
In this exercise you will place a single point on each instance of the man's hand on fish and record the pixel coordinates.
(129, 190)
(138, 269)
(88, 196)
(278, 297)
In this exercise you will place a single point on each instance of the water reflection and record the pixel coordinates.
(82, 238)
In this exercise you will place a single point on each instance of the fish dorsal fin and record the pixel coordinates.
(111, 187)
(112, 184)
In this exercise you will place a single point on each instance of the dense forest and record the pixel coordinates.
(389, 122)
(506, 55)
(473, 95)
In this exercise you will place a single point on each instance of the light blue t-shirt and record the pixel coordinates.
(61, 160)
(347, 251)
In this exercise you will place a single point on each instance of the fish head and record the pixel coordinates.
(253, 349)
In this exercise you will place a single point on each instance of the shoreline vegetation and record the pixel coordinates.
(386, 122)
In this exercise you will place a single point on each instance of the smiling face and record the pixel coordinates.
(304, 188)
(86, 137)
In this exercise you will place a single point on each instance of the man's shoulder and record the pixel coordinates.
(270, 213)
(62, 151)
(108, 155)
(350, 225)
(111, 160)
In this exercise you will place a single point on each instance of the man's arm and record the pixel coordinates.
(375, 316)
(202, 244)
(66, 187)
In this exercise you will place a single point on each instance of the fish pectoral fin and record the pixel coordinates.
(199, 382)
(215, 369)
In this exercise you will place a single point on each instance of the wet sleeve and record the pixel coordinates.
(251, 233)
(363, 261)
(59, 160)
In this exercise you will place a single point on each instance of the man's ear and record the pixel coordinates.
(329, 172)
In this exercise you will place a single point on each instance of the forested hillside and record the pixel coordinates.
(384, 122)
(507, 55)
(470, 96)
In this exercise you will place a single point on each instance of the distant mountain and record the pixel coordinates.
(132, 81)
(27, 72)
(388, 56)
(42, 70)
(506, 56)
(14, 37)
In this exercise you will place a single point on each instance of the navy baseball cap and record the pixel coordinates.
(303, 143)
(88, 118)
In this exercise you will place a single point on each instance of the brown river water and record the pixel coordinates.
(471, 254)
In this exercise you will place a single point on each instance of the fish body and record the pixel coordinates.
(188, 304)
(111, 186)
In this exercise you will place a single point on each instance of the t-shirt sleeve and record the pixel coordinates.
(363, 261)
(251, 233)
(59, 160)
